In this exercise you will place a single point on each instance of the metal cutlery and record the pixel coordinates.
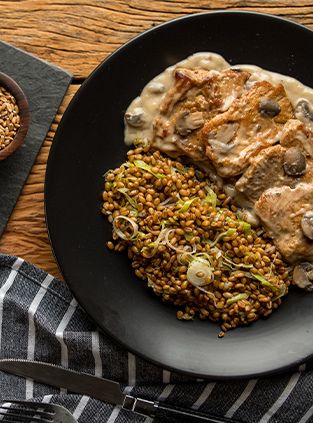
(103, 390)
(26, 411)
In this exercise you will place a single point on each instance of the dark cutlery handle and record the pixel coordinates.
(169, 414)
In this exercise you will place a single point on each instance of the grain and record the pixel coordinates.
(180, 229)
(9, 118)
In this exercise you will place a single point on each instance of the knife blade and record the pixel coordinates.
(104, 390)
(81, 383)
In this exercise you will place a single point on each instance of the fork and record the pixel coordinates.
(15, 411)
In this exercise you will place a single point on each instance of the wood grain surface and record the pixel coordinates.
(77, 35)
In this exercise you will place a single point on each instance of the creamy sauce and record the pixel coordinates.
(152, 95)
(146, 106)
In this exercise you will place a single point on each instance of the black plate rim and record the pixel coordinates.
(278, 370)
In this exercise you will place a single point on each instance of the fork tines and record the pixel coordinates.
(21, 411)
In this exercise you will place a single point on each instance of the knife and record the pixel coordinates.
(103, 390)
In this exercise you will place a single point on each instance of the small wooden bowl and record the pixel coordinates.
(13, 88)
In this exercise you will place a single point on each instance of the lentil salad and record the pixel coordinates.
(186, 240)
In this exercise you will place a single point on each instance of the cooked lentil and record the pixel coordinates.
(185, 240)
(9, 118)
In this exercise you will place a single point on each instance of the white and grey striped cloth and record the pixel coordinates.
(40, 320)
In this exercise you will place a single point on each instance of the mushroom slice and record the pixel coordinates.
(188, 122)
(269, 108)
(136, 118)
(294, 162)
(307, 224)
(303, 276)
(156, 87)
(304, 111)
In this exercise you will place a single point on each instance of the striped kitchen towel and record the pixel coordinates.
(40, 320)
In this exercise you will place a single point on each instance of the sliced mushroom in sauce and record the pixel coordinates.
(269, 107)
(136, 118)
(188, 122)
(156, 87)
(307, 224)
(304, 111)
(294, 162)
(303, 276)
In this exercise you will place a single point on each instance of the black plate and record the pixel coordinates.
(90, 140)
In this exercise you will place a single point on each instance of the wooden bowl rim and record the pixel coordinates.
(14, 88)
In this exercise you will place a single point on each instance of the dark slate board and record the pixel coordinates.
(45, 86)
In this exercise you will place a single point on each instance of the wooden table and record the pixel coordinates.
(76, 35)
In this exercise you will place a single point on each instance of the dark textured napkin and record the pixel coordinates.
(40, 320)
(44, 85)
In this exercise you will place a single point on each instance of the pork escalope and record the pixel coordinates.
(287, 163)
(197, 95)
(281, 210)
(265, 171)
(252, 123)
(296, 134)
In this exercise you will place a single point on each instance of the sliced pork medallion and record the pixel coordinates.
(296, 134)
(285, 213)
(274, 167)
(185, 80)
(197, 95)
(298, 158)
(252, 123)
(266, 170)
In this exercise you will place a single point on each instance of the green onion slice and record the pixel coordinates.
(131, 201)
(211, 197)
(246, 227)
(236, 298)
(185, 204)
(229, 232)
(129, 228)
(264, 282)
(200, 272)
(144, 166)
(232, 263)
(282, 291)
